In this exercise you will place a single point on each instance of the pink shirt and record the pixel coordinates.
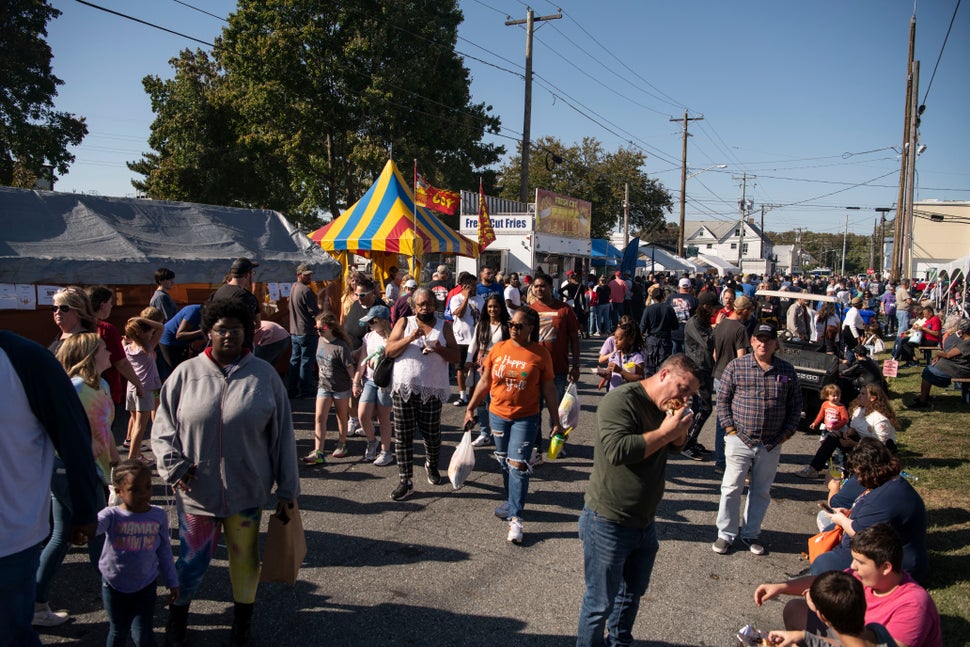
(908, 613)
(617, 291)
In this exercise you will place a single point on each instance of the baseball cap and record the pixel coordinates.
(743, 303)
(376, 312)
(618, 273)
(570, 273)
(410, 283)
(765, 330)
(242, 266)
(304, 268)
(684, 283)
(856, 301)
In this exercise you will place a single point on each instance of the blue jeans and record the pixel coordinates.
(57, 546)
(484, 417)
(302, 358)
(718, 432)
(677, 346)
(763, 465)
(513, 440)
(591, 326)
(17, 586)
(603, 326)
(902, 320)
(134, 612)
(617, 563)
(616, 311)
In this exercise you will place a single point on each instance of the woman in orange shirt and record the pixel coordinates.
(514, 373)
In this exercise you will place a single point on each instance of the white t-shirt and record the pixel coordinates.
(512, 294)
(464, 326)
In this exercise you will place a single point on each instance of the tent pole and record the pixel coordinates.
(414, 216)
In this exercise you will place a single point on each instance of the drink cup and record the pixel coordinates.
(555, 446)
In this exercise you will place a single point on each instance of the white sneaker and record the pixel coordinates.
(515, 530)
(536, 459)
(807, 473)
(371, 452)
(353, 426)
(44, 617)
(384, 458)
(462, 401)
(482, 440)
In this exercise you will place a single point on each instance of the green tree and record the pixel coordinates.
(32, 134)
(315, 97)
(588, 172)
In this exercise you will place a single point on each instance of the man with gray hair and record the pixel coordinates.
(953, 363)
(798, 321)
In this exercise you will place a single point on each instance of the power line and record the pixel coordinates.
(193, 7)
(143, 22)
(942, 47)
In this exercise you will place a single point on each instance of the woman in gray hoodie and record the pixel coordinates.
(223, 435)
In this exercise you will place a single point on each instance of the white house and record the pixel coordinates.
(722, 238)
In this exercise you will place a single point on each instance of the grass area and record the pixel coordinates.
(935, 447)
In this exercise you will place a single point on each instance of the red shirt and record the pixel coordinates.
(558, 326)
(112, 340)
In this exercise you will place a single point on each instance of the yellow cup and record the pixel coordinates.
(555, 446)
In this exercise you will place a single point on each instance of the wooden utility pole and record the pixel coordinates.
(898, 228)
(626, 214)
(683, 180)
(742, 208)
(906, 248)
(529, 22)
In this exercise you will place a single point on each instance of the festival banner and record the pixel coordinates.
(561, 215)
(486, 235)
(441, 200)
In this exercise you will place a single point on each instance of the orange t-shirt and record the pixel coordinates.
(517, 373)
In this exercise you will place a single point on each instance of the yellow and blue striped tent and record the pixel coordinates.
(382, 222)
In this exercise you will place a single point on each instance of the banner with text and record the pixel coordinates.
(561, 215)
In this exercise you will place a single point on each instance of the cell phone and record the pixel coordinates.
(825, 506)
(471, 423)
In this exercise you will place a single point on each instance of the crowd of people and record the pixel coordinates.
(677, 350)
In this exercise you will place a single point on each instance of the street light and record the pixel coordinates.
(683, 199)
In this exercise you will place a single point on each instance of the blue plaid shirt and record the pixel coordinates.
(764, 406)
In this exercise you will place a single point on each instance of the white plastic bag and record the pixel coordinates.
(462, 462)
(569, 408)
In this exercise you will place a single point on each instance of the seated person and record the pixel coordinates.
(931, 328)
(839, 602)
(893, 599)
(860, 371)
(888, 498)
(947, 365)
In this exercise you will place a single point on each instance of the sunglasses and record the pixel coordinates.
(361, 294)
(517, 326)
(61, 309)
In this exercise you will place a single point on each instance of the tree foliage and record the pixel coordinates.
(588, 172)
(302, 103)
(32, 134)
(826, 249)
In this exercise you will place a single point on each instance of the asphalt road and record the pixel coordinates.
(436, 569)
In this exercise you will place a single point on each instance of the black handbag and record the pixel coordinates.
(383, 371)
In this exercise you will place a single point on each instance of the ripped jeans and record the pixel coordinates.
(514, 440)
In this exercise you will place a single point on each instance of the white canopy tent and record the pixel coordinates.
(657, 258)
(722, 266)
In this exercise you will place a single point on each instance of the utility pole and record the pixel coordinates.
(796, 252)
(742, 208)
(683, 180)
(845, 237)
(906, 249)
(626, 214)
(882, 239)
(529, 22)
(898, 229)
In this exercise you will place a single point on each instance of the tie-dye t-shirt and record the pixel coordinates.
(100, 408)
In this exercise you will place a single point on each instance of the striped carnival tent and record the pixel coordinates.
(381, 225)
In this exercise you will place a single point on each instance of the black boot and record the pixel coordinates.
(242, 620)
(175, 629)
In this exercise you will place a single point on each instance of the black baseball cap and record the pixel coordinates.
(242, 266)
(767, 329)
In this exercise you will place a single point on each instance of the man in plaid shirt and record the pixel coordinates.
(758, 405)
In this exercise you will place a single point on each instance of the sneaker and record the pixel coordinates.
(807, 472)
(462, 401)
(371, 453)
(434, 478)
(482, 440)
(515, 530)
(719, 469)
(44, 617)
(918, 404)
(502, 512)
(701, 448)
(754, 546)
(353, 426)
(340, 452)
(314, 458)
(357, 431)
(693, 453)
(126, 444)
(403, 490)
(537, 459)
(384, 458)
(721, 546)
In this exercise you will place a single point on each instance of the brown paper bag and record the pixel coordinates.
(285, 546)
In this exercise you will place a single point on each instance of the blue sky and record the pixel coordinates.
(806, 97)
